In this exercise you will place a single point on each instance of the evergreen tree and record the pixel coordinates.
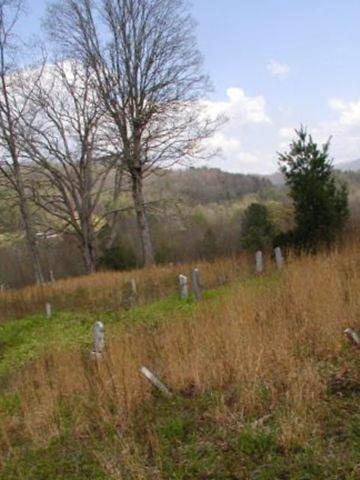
(320, 201)
(257, 230)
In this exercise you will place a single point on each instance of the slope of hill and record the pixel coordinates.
(205, 185)
(262, 387)
(352, 166)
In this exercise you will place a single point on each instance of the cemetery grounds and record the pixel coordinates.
(264, 384)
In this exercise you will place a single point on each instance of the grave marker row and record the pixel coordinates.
(183, 285)
(259, 260)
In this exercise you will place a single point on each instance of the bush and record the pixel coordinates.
(258, 231)
(119, 257)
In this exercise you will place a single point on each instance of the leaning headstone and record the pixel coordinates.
(48, 310)
(99, 339)
(259, 262)
(155, 381)
(196, 284)
(353, 337)
(279, 258)
(183, 286)
(2, 288)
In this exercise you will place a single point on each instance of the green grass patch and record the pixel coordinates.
(25, 339)
(180, 438)
(62, 459)
(192, 445)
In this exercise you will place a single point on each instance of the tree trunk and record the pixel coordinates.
(88, 248)
(115, 216)
(30, 234)
(89, 258)
(142, 221)
(10, 138)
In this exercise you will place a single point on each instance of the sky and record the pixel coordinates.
(274, 65)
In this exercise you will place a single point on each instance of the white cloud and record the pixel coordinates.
(278, 69)
(251, 139)
(349, 111)
(287, 132)
(227, 145)
(244, 114)
(232, 151)
(240, 108)
(344, 130)
(345, 139)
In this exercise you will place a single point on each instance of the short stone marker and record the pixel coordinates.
(259, 262)
(128, 294)
(52, 276)
(133, 294)
(155, 381)
(99, 339)
(353, 337)
(48, 310)
(133, 287)
(196, 284)
(222, 279)
(183, 286)
(279, 258)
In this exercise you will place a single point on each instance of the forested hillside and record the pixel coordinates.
(194, 213)
(160, 317)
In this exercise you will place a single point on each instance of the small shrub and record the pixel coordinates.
(118, 258)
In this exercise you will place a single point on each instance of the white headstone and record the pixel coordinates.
(52, 276)
(48, 310)
(279, 258)
(133, 287)
(99, 338)
(196, 284)
(183, 285)
(353, 337)
(155, 381)
(259, 262)
(133, 292)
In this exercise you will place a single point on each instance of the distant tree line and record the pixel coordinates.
(320, 201)
(89, 131)
(121, 91)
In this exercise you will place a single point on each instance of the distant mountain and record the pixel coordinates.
(205, 185)
(353, 166)
(277, 178)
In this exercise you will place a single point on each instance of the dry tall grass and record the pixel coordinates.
(263, 344)
(109, 290)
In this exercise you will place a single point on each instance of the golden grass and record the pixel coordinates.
(265, 343)
(106, 291)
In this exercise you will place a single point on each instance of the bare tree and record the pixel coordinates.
(11, 112)
(113, 216)
(65, 138)
(147, 69)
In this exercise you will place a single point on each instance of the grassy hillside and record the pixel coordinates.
(264, 384)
